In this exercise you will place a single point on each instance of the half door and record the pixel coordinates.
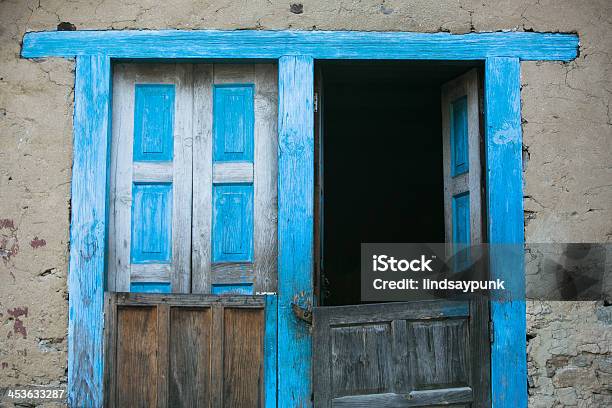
(426, 353)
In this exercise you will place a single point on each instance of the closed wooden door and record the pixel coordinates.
(429, 353)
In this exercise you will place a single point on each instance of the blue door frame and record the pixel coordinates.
(295, 52)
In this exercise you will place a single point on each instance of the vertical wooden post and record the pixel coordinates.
(88, 230)
(506, 229)
(295, 226)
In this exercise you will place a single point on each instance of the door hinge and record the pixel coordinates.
(316, 101)
(491, 332)
(302, 313)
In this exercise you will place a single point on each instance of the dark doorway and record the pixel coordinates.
(381, 157)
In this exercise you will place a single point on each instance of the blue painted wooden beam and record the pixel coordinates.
(505, 229)
(88, 230)
(295, 226)
(316, 44)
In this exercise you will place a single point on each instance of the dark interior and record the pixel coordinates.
(382, 162)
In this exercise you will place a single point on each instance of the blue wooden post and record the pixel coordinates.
(295, 226)
(506, 230)
(88, 230)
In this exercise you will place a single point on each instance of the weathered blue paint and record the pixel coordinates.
(461, 218)
(245, 44)
(505, 226)
(88, 228)
(153, 122)
(295, 51)
(150, 287)
(233, 122)
(232, 289)
(232, 228)
(270, 351)
(295, 226)
(459, 137)
(151, 223)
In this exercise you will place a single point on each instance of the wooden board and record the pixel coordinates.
(176, 350)
(398, 355)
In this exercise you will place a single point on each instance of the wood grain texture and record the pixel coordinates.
(233, 272)
(88, 230)
(394, 355)
(295, 226)
(505, 209)
(243, 349)
(143, 172)
(137, 371)
(429, 398)
(190, 353)
(232, 172)
(178, 350)
(315, 44)
(151, 273)
(265, 230)
(201, 228)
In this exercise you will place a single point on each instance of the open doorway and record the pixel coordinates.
(380, 158)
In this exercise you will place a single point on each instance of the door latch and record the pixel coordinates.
(302, 313)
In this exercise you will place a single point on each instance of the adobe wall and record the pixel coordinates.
(567, 149)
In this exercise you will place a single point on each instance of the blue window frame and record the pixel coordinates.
(295, 52)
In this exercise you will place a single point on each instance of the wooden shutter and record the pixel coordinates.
(193, 203)
(462, 164)
(173, 350)
(235, 176)
(150, 198)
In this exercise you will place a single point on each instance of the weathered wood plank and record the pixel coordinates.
(202, 182)
(232, 272)
(153, 172)
(88, 229)
(137, 371)
(265, 230)
(295, 226)
(413, 399)
(421, 310)
(182, 180)
(505, 209)
(316, 44)
(150, 273)
(190, 355)
(110, 349)
(163, 341)
(178, 299)
(243, 337)
(216, 358)
(232, 172)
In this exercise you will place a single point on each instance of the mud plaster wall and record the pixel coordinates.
(567, 149)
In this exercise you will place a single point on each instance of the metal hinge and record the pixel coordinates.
(302, 313)
(316, 101)
(491, 332)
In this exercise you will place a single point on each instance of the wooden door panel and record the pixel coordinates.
(171, 350)
(394, 355)
(189, 357)
(136, 357)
